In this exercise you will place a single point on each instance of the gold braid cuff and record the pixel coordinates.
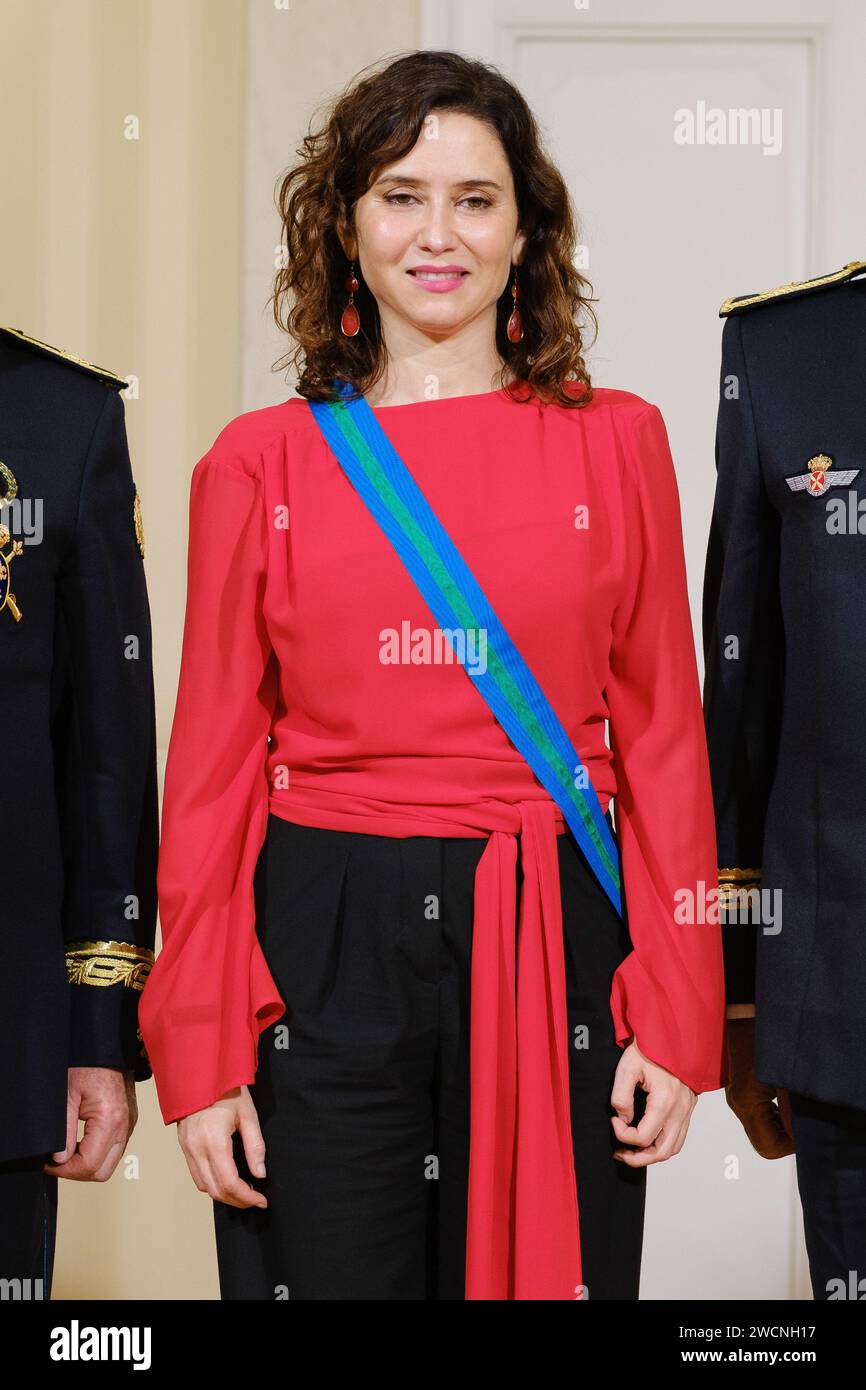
(104, 963)
(734, 882)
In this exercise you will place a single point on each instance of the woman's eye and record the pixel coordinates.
(476, 198)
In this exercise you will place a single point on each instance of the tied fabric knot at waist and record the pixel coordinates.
(522, 1232)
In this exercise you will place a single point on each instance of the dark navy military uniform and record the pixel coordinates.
(785, 704)
(78, 905)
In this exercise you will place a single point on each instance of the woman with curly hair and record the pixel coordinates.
(424, 1012)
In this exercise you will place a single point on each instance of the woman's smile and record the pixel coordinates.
(439, 279)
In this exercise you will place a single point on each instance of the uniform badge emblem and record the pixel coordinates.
(138, 523)
(818, 479)
(7, 598)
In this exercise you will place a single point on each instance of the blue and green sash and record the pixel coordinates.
(387, 488)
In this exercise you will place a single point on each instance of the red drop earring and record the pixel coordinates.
(514, 331)
(350, 321)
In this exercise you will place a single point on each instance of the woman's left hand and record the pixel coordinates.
(662, 1131)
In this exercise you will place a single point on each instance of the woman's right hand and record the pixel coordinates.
(206, 1139)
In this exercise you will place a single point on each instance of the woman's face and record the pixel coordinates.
(449, 203)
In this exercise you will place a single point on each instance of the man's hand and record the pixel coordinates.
(206, 1139)
(662, 1131)
(763, 1111)
(104, 1098)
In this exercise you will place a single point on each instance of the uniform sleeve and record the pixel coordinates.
(668, 992)
(104, 745)
(210, 993)
(744, 658)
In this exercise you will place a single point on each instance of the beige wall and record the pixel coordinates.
(132, 253)
(297, 59)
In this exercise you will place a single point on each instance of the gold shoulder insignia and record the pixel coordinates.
(792, 290)
(102, 373)
(138, 523)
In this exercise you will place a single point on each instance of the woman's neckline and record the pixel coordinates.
(443, 400)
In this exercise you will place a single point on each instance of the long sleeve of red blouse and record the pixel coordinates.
(210, 993)
(669, 992)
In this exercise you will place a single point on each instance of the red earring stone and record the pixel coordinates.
(350, 322)
(514, 331)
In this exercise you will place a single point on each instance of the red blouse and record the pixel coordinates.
(569, 519)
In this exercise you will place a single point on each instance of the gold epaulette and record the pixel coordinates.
(60, 355)
(792, 290)
(104, 963)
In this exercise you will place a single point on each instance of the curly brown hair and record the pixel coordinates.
(376, 121)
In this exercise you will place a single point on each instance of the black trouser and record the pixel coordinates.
(28, 1222)
(366, 1113)
(830, 1145)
